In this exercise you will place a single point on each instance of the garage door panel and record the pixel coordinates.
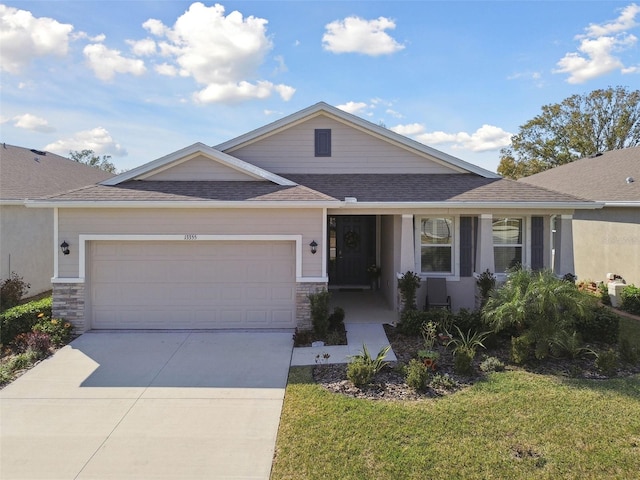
(166, 285)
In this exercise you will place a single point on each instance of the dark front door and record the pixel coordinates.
(352, 248)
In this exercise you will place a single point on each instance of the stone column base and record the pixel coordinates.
(68, 304)
(303, 306)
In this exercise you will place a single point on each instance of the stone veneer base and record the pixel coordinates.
(303, 306)
(68, 304)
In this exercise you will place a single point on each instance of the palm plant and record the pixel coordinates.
(538, 305)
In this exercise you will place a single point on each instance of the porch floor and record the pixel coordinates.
(363, 306)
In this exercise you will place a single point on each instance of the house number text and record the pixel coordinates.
(191, 236)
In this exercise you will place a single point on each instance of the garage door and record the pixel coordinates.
(174, 285)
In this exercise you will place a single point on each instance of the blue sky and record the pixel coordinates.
(141, 79)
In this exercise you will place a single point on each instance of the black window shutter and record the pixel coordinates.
(537, 243)
(323, 142)
(466, 246)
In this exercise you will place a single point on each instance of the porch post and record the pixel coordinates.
(486, 259)
(407, 250)
(564, 246)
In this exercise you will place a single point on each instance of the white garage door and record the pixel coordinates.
(174, 285)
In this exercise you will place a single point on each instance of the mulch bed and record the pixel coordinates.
(390, 383)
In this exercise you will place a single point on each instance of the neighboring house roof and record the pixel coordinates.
(322, 108)
(601, 178)
(184, 154)
(26, 173)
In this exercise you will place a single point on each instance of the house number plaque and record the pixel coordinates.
(191, 236)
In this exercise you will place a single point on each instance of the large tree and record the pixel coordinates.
(579, 126)
(89, 157)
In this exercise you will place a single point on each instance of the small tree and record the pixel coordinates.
(89, 157)
(12, 290)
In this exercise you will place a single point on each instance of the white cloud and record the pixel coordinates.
(98, 139)
(357, 35)
(24, 37)
(353, 107)
(166, 69)
(32, 122)
(238, 92)
(106, 62)
(486, 138)
(222, 53)
(596, 54)
(143, 48)
(85, 36)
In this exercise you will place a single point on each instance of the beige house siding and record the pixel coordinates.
(200, 168)
(26, 245)
(234, 221)
(607, 241)
(352, 151)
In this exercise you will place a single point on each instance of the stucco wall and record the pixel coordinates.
(607, 241)
(234, 221)
(26, 245)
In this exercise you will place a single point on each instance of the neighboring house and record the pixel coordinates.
(26, 235)
(238, 235)
(605, 240)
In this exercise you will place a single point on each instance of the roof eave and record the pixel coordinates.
(477, 205)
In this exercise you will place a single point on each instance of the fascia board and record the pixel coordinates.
(474, 205)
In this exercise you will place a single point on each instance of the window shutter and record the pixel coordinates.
(537, 243)
(323, 142)
(466, 246)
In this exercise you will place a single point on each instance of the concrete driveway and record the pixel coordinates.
(147, 405)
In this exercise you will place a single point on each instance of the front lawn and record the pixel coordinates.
(514, 424)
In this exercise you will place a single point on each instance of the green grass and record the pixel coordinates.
(514, 425)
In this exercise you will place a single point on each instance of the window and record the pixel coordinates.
(507, 243)
(323, 142)
(436, 244)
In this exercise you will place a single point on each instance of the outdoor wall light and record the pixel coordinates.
(64, 246)
(314, 247)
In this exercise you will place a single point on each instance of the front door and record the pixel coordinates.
(352, 248)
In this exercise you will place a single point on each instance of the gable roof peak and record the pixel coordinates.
(359, 122)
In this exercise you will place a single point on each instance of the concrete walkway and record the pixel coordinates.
(147, 405)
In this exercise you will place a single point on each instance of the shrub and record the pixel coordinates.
(39, 343)
(302, 337)
(320, 312)
(377, 363)
(443, 381)
(463, 360)
(570, 345)
(360, 373)
(429, 358)
(429, 331)
(18, 362)
(411, 321)
(607, 362)
(520, 349)
(486, 282)
(600, 325)
(492, 364)
(467, 320)
(336, 319)
(603, 290)
(59, 331)
(629, 354)
(417, 375)
(408, 285)
(12, 290)
(22, 318)
(630, 299)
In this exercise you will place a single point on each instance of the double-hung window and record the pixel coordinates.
(436, 244)
(507, 243)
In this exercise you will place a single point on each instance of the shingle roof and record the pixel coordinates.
(30, 174)
(601, 178)
(380, 188)
(162, 191)
(427, 188)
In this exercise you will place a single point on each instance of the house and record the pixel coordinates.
(605, 240)
(238, 235)
(26, 235)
